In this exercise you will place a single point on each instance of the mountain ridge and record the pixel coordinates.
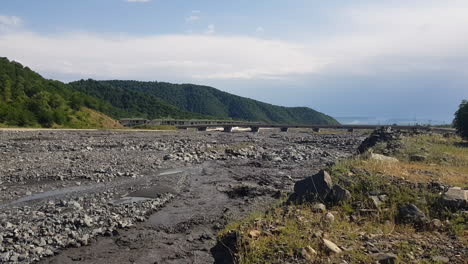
(209, 101)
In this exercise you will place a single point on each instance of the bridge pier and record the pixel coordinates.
(284, 129)
(202, 128)
(227, 129)
(254, 129)
(316, 129)
(351, 130)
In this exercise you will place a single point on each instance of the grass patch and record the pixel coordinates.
(281, 233)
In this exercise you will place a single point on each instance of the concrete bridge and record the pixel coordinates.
(255, 127)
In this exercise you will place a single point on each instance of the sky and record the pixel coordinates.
(394, 59)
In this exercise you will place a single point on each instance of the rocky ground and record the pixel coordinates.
(144, 197)
(408, 207)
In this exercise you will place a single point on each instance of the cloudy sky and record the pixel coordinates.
(390, 59)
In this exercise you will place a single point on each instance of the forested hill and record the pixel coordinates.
(132, 103)
(206, 101)
(27, 99)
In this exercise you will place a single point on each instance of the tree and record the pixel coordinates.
(7, 90)
(461, 120)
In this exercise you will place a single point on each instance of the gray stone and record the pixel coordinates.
(309, 253)
(338, 194)
(329, 217)
(383, 158)
(455, 197)
(332, 247)
(314, 188)
(417, 157)
(319, 208)
(440, 259)
(5, 257)
(376, 201)
(411, 214)
(386, 258)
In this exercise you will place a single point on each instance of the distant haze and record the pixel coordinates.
(397, 60)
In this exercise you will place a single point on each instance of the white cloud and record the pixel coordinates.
(431, 36)
(192, 18)
(10, 23)
(196, 11)
(10, 20)
(210, 29)
(260, 29)
(182, 57)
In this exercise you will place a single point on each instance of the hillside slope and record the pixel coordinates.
(210, 101)
(132, 103)
(27, 99)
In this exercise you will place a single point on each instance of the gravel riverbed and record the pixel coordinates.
(144, 197)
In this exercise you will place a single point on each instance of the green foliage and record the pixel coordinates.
(461, 120)
(132, 103)
(138, 97)
(27, 99)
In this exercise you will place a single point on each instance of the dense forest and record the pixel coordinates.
(132, 103)
(203, 100)
(27, 99)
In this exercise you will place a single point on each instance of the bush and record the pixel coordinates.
(461, 120)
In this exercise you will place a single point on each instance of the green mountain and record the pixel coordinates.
(132, 103)
(203, 100)
(27, 99)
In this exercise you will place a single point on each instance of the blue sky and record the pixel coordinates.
(394, 59)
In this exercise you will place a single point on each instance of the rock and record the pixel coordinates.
(383, 135)
(329, 217)
(309, 253)
(38, 251)
(417, 157)
(436, 224)
(338, 194)
(48, 252)
(5, 257)
(87, 221)
(386, 258)
(277, 159)
(383, 158)
(75, 205)
(332, 247)
(319, 208)
(314, 188)
(440, 259)
(411, 214)
(376, 201)
(254, 233)
(456, 198)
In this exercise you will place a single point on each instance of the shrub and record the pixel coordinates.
(461, 120)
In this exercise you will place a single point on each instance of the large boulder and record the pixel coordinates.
(411, 214)
(338, 194)
(385, 135)
(314, 188)
(319, 188)
(456, 198)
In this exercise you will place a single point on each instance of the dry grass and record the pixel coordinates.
(91, 119)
